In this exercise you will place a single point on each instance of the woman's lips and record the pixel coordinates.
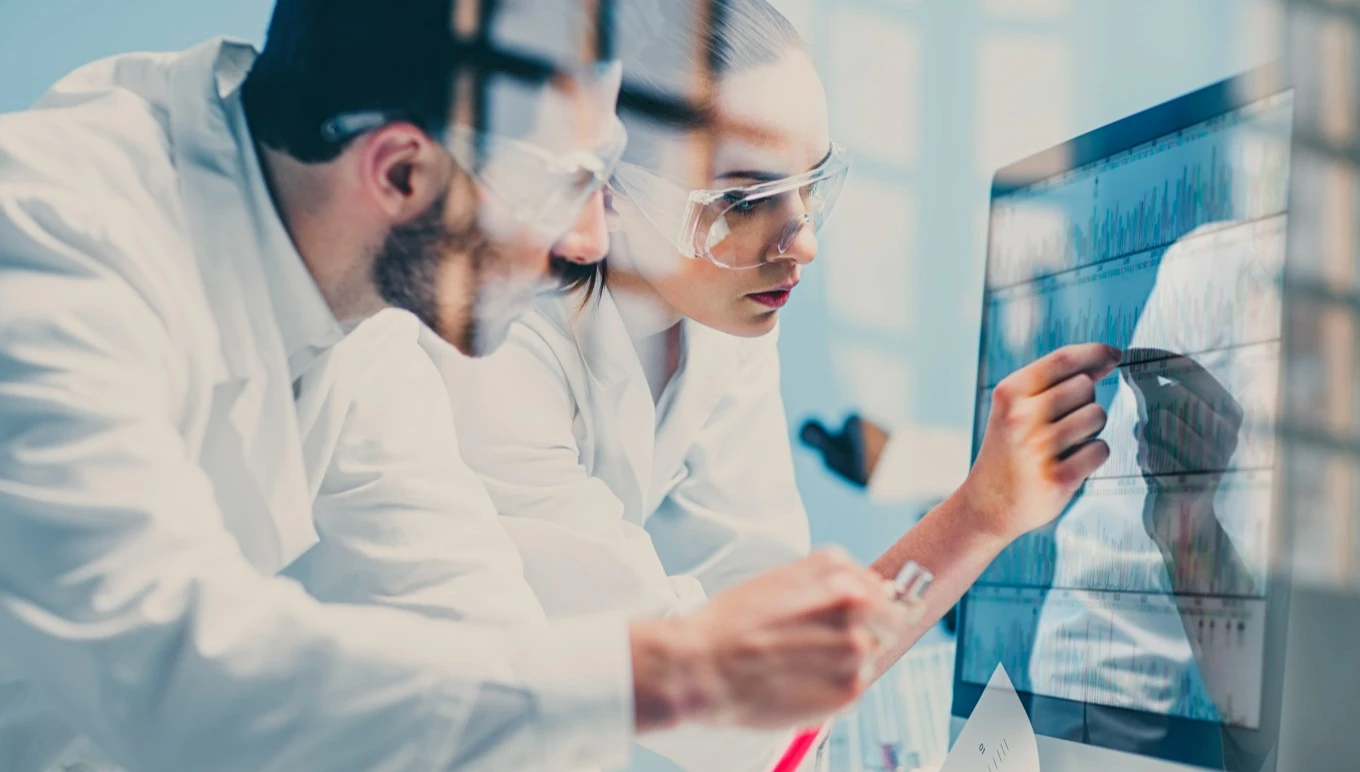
(773, 298)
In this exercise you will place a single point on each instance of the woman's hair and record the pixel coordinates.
(657, 44)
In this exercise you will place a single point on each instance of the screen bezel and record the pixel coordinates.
(1188, 741)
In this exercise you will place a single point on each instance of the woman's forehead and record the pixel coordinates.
(773, 118)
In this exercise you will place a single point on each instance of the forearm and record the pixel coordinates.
(946, 543)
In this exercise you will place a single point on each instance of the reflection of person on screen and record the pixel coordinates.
(1178, 427)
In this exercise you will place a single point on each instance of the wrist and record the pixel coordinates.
(673, 680)
(987, 511)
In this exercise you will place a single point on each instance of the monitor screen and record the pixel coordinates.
(1137, 621)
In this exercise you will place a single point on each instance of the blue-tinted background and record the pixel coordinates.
(930, 95)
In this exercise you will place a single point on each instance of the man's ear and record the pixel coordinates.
(404, 171)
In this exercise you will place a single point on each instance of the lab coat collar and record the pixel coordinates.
(602, 338)
(653, 452)
(710, 362)
(620, 395)
(305, 321)
(233, 235)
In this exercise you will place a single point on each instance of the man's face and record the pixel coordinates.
(469, 272)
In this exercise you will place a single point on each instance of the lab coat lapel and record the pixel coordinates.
(621, 401)
(710, 363)
(253, 448)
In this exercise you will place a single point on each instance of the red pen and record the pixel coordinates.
(910, 583)
(798, 749)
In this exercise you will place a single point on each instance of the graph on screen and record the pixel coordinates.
(1149, 592)
(1104, 544)
(1212, 290)
(1232, 168)
(1134, 642)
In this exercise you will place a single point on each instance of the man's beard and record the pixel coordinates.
(449, 279)
(414, 263)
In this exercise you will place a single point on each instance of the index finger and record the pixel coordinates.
(1041, 375)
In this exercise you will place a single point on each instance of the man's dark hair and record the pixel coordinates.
(325, 57)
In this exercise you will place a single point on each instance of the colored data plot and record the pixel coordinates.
(1212, 291)
(1107, 540)
(1235, 167)
(1188, 657)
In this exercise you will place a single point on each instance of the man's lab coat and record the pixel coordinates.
(620, 503)
(401, 520)
(153, 478)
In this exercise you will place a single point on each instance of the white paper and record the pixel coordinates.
(998, 736)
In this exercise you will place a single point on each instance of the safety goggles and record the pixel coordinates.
(541, 189)
(735, 227)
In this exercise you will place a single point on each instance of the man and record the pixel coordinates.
(152, 474)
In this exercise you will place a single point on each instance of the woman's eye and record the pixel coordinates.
(742, 205)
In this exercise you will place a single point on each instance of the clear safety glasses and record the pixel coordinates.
(736, 227)
(541, 189)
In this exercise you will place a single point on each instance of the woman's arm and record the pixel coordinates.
(1037, 452)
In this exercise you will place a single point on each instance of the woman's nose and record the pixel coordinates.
(797, 241)
(588, 240)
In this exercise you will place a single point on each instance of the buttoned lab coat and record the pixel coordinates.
(153, 476)
(615, 509)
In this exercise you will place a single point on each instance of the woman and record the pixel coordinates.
(631, 431)
(646, 462)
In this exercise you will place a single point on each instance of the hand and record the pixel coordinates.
(1188, 429)
(851, 453)
(1187, 422)
(787, 648)
(1039, 445)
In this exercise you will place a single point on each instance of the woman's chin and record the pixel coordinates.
(750, 325)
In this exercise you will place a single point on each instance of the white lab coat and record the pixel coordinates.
(401, 520)
(613, 510)
(152, 478)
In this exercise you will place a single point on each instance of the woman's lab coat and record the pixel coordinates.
(153, 476)
(613, 509)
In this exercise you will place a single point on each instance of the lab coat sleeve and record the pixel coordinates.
(515, 413)
(123, 597)
(402, 520)
(737, 510)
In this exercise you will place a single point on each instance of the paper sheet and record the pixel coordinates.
(998, 736)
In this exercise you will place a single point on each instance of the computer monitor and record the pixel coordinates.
(1138, 628)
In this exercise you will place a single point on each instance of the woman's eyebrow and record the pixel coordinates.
(767, 176)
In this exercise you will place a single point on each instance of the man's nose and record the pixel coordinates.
(588, 240)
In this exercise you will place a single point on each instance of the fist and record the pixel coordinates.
(797, 643)
(1188, 423)
(1040, 446)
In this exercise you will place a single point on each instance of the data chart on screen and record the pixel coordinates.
(1150, 591)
